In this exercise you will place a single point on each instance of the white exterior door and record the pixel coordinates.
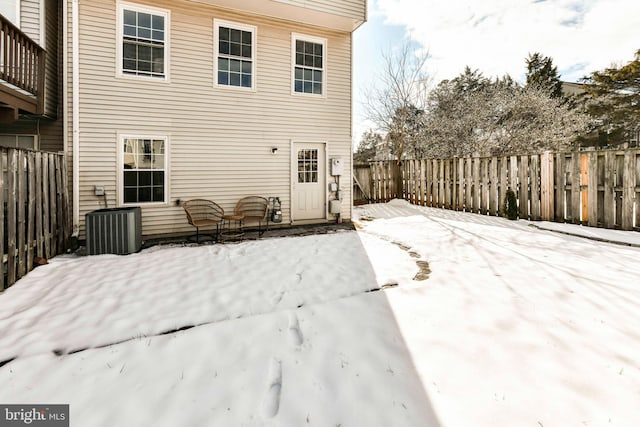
(308, 179)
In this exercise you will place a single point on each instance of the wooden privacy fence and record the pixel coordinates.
(33, 192)
(597, 188)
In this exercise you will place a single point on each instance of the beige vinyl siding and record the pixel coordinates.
(48, 38)
(355, 9)
(220, 139)
(30, 19)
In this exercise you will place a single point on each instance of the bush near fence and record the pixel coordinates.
(33, 192)
(596, 188)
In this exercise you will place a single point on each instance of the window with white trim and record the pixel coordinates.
(144, 169)
(309, 59)
(235, 54)
(19, 141)
(143, 41)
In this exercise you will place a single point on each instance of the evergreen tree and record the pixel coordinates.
(613, 99)
(368, 147)
(470, 81)
(405, 132)
(543, 75)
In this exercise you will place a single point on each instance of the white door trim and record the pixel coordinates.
(293, 174)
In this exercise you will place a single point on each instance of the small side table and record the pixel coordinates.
(232, 227)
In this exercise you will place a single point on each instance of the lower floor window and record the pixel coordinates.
(19, 141)
(144, 170)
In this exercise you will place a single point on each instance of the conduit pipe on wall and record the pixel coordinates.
(75, 101)
(65, 80)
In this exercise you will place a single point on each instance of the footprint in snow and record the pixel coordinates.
(294, 330)
(271, 403)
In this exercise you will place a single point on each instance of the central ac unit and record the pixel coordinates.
(114, 231)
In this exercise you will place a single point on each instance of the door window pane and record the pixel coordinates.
(308, 166)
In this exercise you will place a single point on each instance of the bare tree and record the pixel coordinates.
(399, 91)
(472, 115)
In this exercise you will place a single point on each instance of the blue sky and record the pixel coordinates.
(495, 36)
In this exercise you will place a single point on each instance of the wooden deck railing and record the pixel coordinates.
(22, 66)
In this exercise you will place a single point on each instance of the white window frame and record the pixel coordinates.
(121, 6)
(217, 23)
(302, 37)
(120, 173)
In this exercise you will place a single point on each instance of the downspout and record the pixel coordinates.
(75, 89)
(351, 129)
(65, 80)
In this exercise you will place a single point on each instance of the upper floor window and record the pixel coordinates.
(143, 45)
(309, 64)
(235, 54)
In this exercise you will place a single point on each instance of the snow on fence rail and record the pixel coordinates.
(33, 193)
(596, 188)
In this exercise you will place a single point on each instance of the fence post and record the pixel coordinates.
(628, 190)
(504, 169)
(46, 225)
(609, 189)
(560, 187)
(54, 206)
(477, 190)
(494, 204)
(447, 183)
(39, 203)
(428, 173)
(513, 174)
(523, 194)
(592, 182)
(11, 216)
(484, 185)
(21, 224)
(460, 184)
(31, 209)
(422, 183)
(546, 187)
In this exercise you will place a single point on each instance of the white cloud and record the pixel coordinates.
(496, 36)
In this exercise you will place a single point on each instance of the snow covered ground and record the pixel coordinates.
(492, 323)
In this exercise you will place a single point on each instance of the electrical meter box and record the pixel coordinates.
(337, 167)
(334, 206)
